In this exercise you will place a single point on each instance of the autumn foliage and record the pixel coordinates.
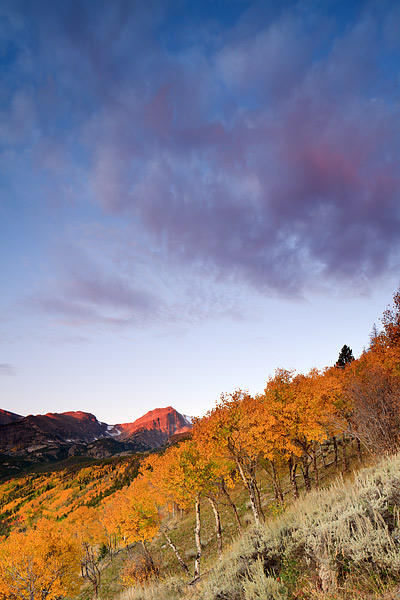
(39, 563)
(52, 540)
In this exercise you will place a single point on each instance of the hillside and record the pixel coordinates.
(342, 542)
(58, 491)
(37, 431)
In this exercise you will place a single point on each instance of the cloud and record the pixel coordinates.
(301, 189)
(258, 153)
(90, 289)
(108, 280)
(271, 61)
(7, 369)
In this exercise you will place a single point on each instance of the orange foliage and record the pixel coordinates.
(40, 563)
(134, 512)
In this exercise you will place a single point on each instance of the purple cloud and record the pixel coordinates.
(89, 293)
(259, 152)
(303, 185)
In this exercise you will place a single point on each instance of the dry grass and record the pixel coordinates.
(342, 543)
(330, 543)
(172, 589)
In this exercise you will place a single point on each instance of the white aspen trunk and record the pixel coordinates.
(251, 491)
(198, 539)
(218, 531)
(176, 552)
(147, 553)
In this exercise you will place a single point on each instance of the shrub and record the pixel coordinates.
(137, 570)
(259, 586)
(351, 531)
(172, 589)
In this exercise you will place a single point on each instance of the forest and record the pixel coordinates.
(292, 493)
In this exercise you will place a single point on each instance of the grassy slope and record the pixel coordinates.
(339, 543)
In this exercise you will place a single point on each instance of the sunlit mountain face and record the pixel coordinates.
(57, 436)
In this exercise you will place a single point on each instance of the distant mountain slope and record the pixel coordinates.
(8, 417)
(30, 432)
(56, 436)
(156, 426)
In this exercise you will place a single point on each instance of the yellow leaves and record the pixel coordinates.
(270, 424)
(134, 512)
(228, 430)
(84, 524)
(183, 472)
(168, 478)
(56, 494)
(109, 517)
(198, 470)
(300, 408)
(41, 562)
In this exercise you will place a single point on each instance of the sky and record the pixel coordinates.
(192, 194)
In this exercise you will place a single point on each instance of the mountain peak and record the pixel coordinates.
(80, 415)
(164, 420)
(75, 414)
(7, 417)
(56, 434)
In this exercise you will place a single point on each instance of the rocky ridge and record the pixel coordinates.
(8, 417)
(57, 436)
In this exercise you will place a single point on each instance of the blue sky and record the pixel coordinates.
(192, 194)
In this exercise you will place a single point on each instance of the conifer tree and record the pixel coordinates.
(345, 357)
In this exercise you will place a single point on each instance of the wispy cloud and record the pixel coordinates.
(106, 279)
(7, 369)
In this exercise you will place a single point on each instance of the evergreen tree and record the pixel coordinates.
(345, 357)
